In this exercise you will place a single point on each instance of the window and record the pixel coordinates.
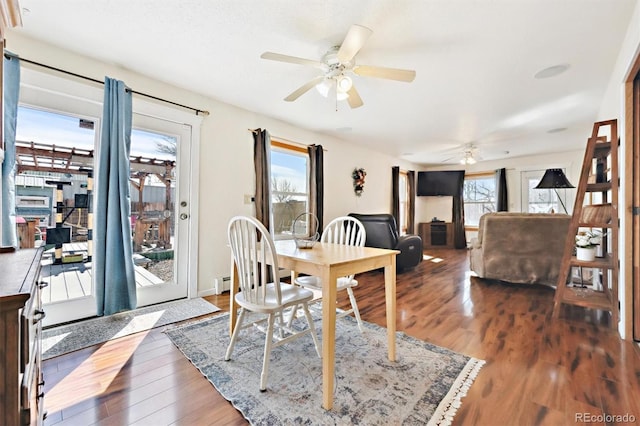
(53, 146)
(289, 186)
(479, 197)
(540, 200)
(403, 193)
(27, 201)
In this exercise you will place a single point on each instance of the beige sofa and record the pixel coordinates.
(521, 248)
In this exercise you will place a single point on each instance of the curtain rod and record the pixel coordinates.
(254, 131)
(49, 67)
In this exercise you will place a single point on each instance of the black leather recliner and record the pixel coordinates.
(382, 232)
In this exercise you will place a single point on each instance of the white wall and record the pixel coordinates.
(230, 160)
(613, 107)
(226, 155)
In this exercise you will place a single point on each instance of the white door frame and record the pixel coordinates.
(186, 230)
(44, 90)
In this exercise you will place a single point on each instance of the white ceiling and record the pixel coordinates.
(475, 61)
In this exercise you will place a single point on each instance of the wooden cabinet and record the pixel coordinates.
(595, 211)
(21, 383)
(436, 234)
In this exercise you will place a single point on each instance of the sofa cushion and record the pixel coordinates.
(520, 247)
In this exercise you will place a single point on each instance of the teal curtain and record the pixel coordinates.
(11, 87)
(113, 259)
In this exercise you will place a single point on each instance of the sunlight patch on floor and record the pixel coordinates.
(95, 374)
(431, 258)
(140, 322)
(49, 342)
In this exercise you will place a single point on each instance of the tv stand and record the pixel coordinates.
(436, 234)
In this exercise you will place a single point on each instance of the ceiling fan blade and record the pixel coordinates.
(291, 59)
(354, 99)
(353, 42)
(388, 73)
(303, 89)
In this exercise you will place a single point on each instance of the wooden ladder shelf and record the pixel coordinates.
(595, 210)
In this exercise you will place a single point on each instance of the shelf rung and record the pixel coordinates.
(587, 297)
(598, 262)
(599, 187)
(596, 213)
(594, 225)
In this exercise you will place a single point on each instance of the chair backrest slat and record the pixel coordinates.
(345, 230)
(255, 257)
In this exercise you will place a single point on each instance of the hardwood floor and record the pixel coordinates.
(538, 370)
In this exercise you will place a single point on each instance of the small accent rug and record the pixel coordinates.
(71, 337)
(424, 385)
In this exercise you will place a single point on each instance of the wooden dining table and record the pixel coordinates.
(330, 262)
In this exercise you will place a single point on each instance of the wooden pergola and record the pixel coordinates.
(32, 156)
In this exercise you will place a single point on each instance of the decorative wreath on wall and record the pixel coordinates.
(358, 176)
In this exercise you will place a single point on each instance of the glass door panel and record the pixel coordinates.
(54, 191)
(160, 238)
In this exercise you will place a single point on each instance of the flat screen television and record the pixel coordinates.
(438, 183)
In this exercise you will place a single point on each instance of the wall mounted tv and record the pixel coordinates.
(437, 183)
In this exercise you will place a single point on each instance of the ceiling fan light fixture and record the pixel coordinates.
(468, 159)
(344, 83)
(324, 87)
(334, 64)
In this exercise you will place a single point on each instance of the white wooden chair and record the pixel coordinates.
(256, 260)
(341, 230)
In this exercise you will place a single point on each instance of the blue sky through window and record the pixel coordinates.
(46, 127)
(290, 167)
(52, 128)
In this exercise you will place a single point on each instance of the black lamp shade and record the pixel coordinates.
(554, 178)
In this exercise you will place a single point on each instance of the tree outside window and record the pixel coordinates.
(479, 197)
(289, 189)
(543, 200)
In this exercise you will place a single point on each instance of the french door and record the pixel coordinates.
(58, 133)
(161, 212)
(542, 200)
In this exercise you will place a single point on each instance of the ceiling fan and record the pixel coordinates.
(337, 65)
(468, 155)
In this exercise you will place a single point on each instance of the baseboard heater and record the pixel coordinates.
(221, 284)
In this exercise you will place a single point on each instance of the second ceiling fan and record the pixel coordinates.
(337, 65)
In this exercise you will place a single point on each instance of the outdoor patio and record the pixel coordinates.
(73, 280)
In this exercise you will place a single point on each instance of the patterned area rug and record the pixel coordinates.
(425, 385)
(71, 337)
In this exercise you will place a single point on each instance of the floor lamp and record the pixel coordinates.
(554, 179)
